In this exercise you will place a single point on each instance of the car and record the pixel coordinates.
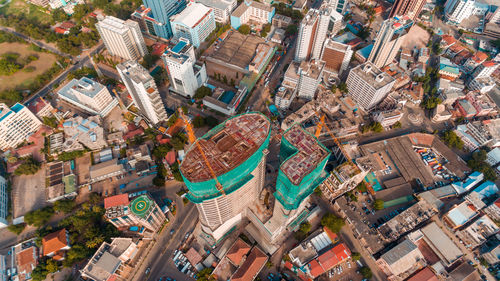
(172, 231)
(148, 270)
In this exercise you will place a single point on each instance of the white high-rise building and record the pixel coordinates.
(195, 23)
(222, 8)
(313, 31)
(335, 23)
(142, 87)
(88, 95)
(122, 38)
(4, 202)
(185, 75)
(16, 125)
(456, 11)
(339, 5)
(389, 39)
(368, 85)
(485, 69)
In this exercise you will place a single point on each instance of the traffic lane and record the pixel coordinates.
(164, 266)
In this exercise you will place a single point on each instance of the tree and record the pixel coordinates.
(59, 15)
(452, 139)
(29, 167)
(211, 121)
(39, 217)
(178, 141)
(16, 228)
(198, 121)
(52, 266)
(478, 163)
(159, 181)
(206, 274)
(343, 88)
(291, 30)
(202, 92)
(303, 230)
(430, 102)
(149, 60)
(378, 204)
(50, 121)
(244, 29)
(64, 206)
(366, 272)
(355, 256)
(397, 125)
(161, 150)
(377, 127)
(496, 43)
(333, 222)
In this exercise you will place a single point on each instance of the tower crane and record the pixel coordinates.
(192, 140)
(319, 127)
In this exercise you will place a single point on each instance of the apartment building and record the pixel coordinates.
(17, 123)
(194, 23)
(222, 8)
(252, 12)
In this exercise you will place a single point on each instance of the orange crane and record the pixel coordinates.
(320, 126)
(192, 140)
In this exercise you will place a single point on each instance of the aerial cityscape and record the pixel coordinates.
(240, 140)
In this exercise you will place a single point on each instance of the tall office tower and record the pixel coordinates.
(222, 8)
(485, 69)
(313, 31)
(88, 95)
(455, 11)
(389, 39)
(142, 87)
(16, 125)
(161, 11)
(410, 8)
(236, 151)
(195, 23)
(368, 85)
(122, 38)
(185, 75)
(339, 5)
(4, 203)
(336, 57)
(303, 159)
(335, 24)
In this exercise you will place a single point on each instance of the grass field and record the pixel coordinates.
(17, 7)
(21, 78)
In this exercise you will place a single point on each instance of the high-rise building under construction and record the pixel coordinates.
(225, 171)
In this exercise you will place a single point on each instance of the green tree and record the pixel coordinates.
(478, 163)
(16, 228)
(355, 256)
(291, 30)
(159, 181)
(244, 29)
(397, 125)
(377, 127)
(178, 141)
(202, 92)
(68, 156)
(452, 139)
(211, 121)
(206, 275)
(366, 272)
(161, 150)
(52, 266)
(29, 167)
(65, 206)
(39, 217)
(378, 204)
(50, 121)
(343, 88)
(149, 60)
(198, 121)
(333, 222)
(59, 15)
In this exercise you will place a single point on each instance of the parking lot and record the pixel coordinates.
(28, 192)
(347, 270)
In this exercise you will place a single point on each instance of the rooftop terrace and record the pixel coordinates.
(226, 146)
(310, 154)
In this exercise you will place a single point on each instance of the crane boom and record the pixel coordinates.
(322, 124)
(192, 140)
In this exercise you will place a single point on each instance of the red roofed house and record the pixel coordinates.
(193, 256)
(237, 252)
(40, 108)
(170, 157)
(117, 200)
(472, 62)
(447, 41)
(55, 243)
(328, 260)
(425, 274)
(252, 265)
(26, 261)
(61, 30)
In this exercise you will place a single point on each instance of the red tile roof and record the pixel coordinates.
(497, 202)
(60, 30)
(329, 259)
(425, 274)
(489, 63)
(170, 157)
(251, 266)
(193, 256)
(315, 268)
(480, 57)
(131, 134)
(26, 260)
(238, 251)
(117, 200)
(54, 241)
(449, 39)
(341, 252)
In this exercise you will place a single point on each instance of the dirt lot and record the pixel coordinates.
(44, 62)
(28, 193)
(417, 36)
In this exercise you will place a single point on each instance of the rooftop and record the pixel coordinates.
(141, 206)
(442, 243)
(117, 200)
(54, 241)
(242, 8)
(237, 49)
(84, 86)
(238, 251)
(251, 266)
(115, 24)
(226, 146)
(192, 15)
(309, 155)
(135, 71)
(372, 75)
(398, 252)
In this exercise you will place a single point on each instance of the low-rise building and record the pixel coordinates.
(478, 232)
(88, 95)
(83, 132)
(493, 157)
(106, 170)
(342, 179)
(26, 258)
(482, 84)
(112, 261)
(55, 244)
(473, 135)
(465, 108)
(141, 212)
(387, 118)
(41, 108)
(253, 12)
(328, 260)
(281, 21)
(448, 70)
(441, 244)
(440, 113)
(460, 214)
(222, 8)
(402, 260)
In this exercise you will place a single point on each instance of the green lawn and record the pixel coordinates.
(17, 7)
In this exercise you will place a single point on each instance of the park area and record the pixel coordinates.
(17, 53)
(22, 7)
